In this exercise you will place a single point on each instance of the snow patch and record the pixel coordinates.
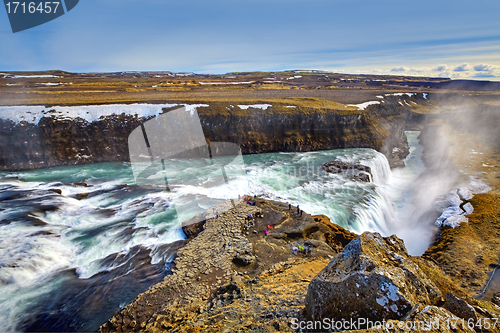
(52, 84)
(89, 113)
(33, 76)
(256, 106)
(364, 105)
(216, 83)
(449, 203)
(400, 94)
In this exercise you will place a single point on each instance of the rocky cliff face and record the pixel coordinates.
(230, 260)
(54, 142)
(283, 284)
(372, 278)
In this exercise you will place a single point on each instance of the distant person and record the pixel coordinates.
(294, 249)
(289, 206)
(301, 211)
(298, 211)
(265, 232)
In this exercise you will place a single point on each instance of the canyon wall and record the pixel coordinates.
(56, 142)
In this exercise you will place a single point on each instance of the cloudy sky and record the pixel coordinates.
(457, 39)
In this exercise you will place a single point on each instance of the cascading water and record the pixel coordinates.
(75, 239)
(100, 229)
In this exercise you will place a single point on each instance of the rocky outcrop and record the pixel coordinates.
(439, 320)
(428, 319)
(357, 172)
(192, 230)
(372, 278)
(225, 259)
(496, 298)
(459, 307)
(231, 276)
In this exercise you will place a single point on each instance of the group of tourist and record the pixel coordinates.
(248, 199)
(299, 211)
(307, 249)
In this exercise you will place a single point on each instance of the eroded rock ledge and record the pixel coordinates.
(357, 172)
(56, 142)
(228, 255)
(232, 277)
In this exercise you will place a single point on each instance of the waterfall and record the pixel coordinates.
(376, 212)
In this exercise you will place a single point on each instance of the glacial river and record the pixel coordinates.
(79, 242)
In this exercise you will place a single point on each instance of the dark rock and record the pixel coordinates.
(361, 177)
(243, 260)
(441, 319)
(356, 172)
(459, 307)
(339, 166)
(56, 190)
(496, 298)
(192, 230)
(54, 142)
(372, 278)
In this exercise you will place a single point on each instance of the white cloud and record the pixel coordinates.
(419, 69)
(472, 70)
(462, 68)
(483, 67)
(399, 69)
(440, 68)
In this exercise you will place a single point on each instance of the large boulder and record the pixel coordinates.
(496, 298)
(356, 172)
(459, 307)
(431, 319)
(372, 278)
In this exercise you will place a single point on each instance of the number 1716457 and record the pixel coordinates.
(32, 7)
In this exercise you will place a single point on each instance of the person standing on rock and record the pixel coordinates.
(298, 210)
(289, 206)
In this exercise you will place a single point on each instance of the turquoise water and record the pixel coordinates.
(105, 230)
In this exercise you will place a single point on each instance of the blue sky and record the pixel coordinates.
(458, 39)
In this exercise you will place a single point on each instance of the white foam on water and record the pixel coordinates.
(152, 218)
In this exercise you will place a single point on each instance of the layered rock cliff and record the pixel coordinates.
(285, 286)
(53, 141)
